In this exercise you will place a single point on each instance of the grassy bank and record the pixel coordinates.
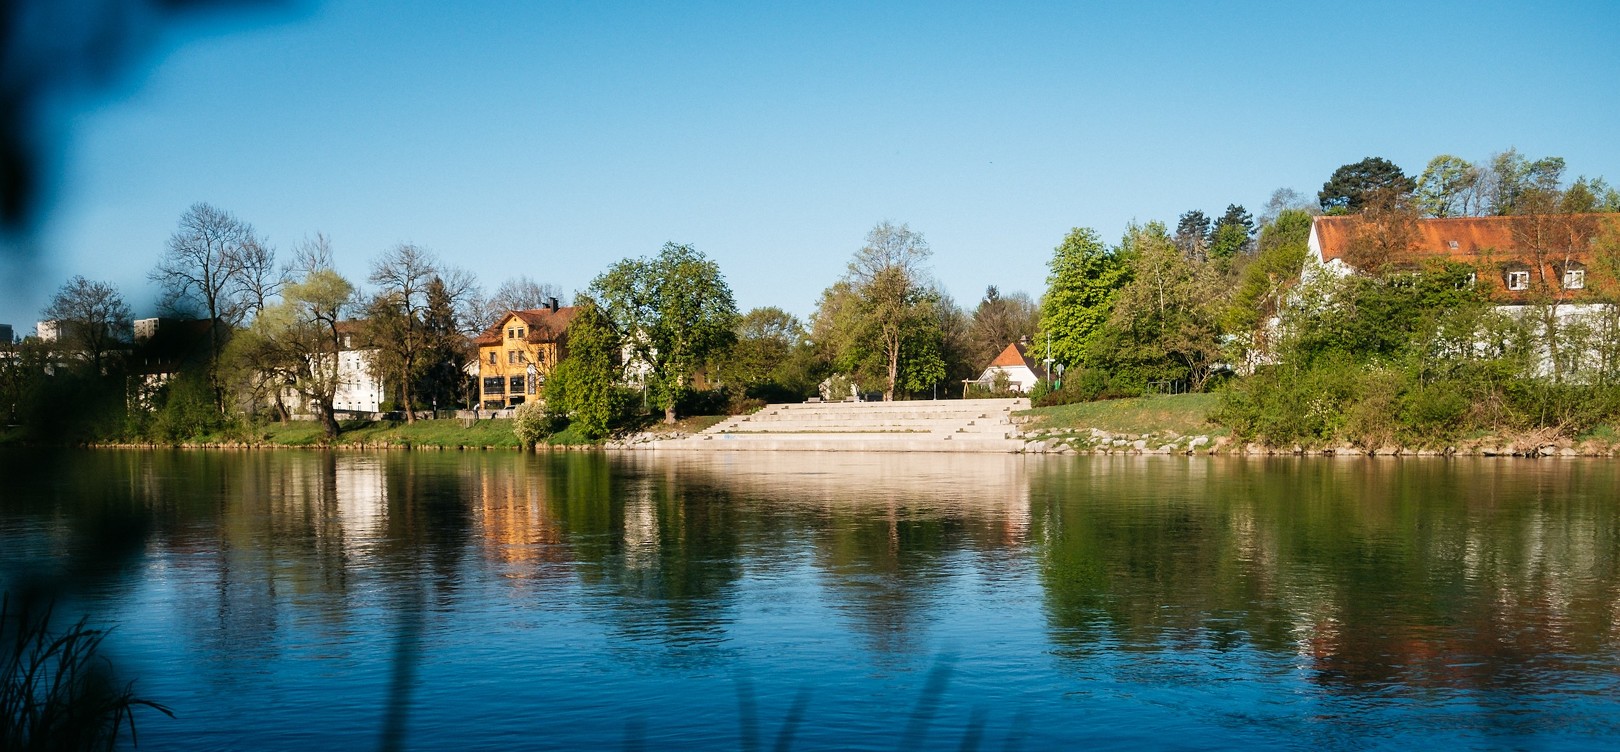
(1181, 414)
(1176, 421)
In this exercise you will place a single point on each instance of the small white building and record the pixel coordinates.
(1022, 372)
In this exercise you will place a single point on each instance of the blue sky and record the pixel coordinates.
(551, 139)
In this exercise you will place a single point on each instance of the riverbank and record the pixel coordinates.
(1187, 424)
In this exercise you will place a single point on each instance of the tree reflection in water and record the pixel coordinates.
(1327, 601)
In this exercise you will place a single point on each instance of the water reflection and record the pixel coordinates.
(1321, 602)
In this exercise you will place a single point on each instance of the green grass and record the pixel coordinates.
(447, 433)
(1185, 414)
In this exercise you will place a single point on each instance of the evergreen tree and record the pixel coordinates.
(441, 382)
(1233, 234)
(1193, 234)
(1351, 186)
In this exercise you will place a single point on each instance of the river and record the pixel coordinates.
(495, 600)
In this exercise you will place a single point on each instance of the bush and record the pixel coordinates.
(533, 423)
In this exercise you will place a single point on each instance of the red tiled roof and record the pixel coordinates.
(1473, 236)
(1013, 356)
(1494, 246)
(543, 324)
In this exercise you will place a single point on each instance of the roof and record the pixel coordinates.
(1473, 236)
(1014, 355)
(543, 324)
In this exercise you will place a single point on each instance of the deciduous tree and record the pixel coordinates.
(1085, 277)
(1449, 187)
(675, 311)
(91, 319)
(202, 271)
(396, 319)
(298, 338)
(884, 316)
(998, 321)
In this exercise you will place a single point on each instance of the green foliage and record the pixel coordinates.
(1085, 277)
(1262, 284)
(533, 423)
(439, 379)
(676, 312)
(1449, 187)
(1353, 185)
(185, 410)
(883, 323)
(584, 387)
(1165, 322)
(772, 359)
(1421, 359)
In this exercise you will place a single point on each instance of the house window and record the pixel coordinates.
(523, 357)
(1574, 279)
(494, 385)
(511, 357)
(1452, 244)
(517, 384)
(492, 357)
(511, 333)
(1518, 280)
(520, 333)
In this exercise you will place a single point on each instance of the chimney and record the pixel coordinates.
(552, 304)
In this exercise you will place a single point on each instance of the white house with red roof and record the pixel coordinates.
(1022, 371)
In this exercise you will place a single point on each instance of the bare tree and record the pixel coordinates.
(309, 256)
(517, 294)
(395, 316)
(90, 317)
(203, 270)
(260, 280)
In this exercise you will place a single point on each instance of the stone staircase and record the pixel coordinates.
(981, 425)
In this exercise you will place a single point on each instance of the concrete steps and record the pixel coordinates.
(925, 426)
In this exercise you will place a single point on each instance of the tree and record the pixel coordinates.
(1232, 234)
(1000, 320)
(1164, 323)
(1348, 189)
(1285, 199)
(1385, 233)
(1449, 187)
(396, 319)
(883, 317)
(516, 294)
(1085, 276)
(298, 339)
(441, 380)
(676, 312)
(260, 280)
(766, 341)
(585, 384)
(91, 319)
(1193, 232)
(1262, 285)
(202, 271)
(1510, 177)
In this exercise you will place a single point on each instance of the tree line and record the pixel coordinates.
(1214, 299)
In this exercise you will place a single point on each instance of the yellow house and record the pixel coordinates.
(517, 353)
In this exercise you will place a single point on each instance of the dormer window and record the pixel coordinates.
(1574, 279)
(1518, 280)
(520, 333)
(511, 334)
(1452, 244)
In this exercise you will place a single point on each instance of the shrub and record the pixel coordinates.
(533, 422)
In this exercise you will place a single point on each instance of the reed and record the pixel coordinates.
(57, 691)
